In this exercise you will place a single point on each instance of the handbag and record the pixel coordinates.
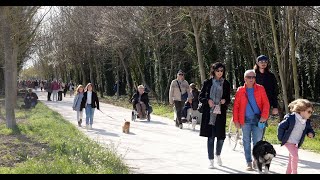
(217, 109)
(256, 116)
(184, 96)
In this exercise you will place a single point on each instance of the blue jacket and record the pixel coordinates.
(286, 126)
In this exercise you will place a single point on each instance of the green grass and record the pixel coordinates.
(68, 150)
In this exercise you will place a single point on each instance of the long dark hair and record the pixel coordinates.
(216, 66)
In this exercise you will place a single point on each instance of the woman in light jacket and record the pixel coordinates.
(77, 103)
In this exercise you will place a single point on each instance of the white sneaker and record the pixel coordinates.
(87, 126)
(90, 127)
(211, 166)
(219, 162)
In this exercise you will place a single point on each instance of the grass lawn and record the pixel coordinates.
(45, 143)
(270, 134)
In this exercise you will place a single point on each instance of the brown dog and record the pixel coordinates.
(126, 127)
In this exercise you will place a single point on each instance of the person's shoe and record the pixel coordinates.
(79, 123)
(249, 166)
(254, 164)
(211, 165)
(180, 126)
(219, 162)
(90, 126)
(87, 126)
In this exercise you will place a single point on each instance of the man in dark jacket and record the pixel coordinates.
(31, 99)
(268, 80)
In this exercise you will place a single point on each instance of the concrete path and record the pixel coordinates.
(158, 147)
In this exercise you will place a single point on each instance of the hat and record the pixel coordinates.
(180, 72)
(262, 58)
(192, 85)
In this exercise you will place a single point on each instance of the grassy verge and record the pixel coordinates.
(45, 143)
(270, 134)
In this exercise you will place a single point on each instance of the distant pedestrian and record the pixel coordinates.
(77, 103)
(293, 129)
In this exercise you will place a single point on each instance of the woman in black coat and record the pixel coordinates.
(89, 101)
(215, 97)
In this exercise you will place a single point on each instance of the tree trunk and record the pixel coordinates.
(197, 35)
(125, 70)
(7, 42)
(275, 40)
(293, 51)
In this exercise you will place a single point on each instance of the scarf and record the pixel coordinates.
(216, 92)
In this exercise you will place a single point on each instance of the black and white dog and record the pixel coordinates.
(263, 153)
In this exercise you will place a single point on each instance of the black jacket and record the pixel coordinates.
(204, 96)
(144, 98)
(195, 99)
(269, 82)
(94, 100)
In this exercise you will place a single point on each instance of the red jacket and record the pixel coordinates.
(240, 103)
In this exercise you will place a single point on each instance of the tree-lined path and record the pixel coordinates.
(158, 147)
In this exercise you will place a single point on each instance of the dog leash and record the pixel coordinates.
(106, 114)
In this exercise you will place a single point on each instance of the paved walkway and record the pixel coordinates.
(158, 147)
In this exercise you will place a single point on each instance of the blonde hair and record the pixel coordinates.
(89, 84)
(77, 90)
(300, 105)
(140, 87)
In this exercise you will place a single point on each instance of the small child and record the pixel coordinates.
(293, 129)
(77, 103)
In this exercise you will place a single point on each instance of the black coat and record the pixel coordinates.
(220, 124)
(94, 100)
(144, 98)
(269, 82)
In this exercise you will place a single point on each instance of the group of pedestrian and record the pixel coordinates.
(251, 107)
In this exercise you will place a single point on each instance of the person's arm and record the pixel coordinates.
(236, 106)
(275, 92)
(226, 93)
(171, 92)
(265, 105)
(203, 93)
(310, 131)
(282, 127)
(97, 101)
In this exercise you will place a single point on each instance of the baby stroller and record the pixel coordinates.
(135, 116)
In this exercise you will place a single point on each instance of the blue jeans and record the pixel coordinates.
(89, 114)
(249, 129)
(210, 146)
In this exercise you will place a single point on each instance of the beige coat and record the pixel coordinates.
(174, 92)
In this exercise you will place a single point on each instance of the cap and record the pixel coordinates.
(180, 72)
(262, 58)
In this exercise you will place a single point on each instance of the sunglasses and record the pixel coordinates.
(218, 70)
(310, 112)
(180, 74)
(250, 77)
(263, 61)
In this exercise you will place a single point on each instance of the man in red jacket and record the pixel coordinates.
(251, 106)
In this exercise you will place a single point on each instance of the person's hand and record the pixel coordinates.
(237, 125)
(222, 101)
(262, 119)
(310, 135)
(190, 101)
(275, 111)
(210, 102)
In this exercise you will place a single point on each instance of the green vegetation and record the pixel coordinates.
(45, 143)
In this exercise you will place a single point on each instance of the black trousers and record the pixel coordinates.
(49, 96)
(60, 95)
(178, 106)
